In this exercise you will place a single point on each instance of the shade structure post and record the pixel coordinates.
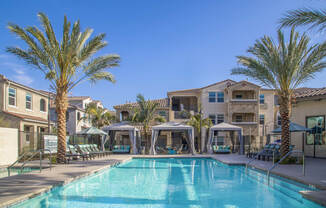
(210, 139)
(132, 135)
(241, 152)
(191, 139)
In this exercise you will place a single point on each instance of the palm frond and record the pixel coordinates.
(305, 17)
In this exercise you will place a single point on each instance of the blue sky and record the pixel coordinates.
(164, 45)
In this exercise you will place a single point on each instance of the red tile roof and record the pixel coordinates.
(163, 103)
(305, 92)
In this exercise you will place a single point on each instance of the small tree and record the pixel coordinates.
(145, 114)
(99, 117)
(198, 122)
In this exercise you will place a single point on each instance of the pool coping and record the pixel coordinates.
(318, 197)
(315, 196)
(25, 197)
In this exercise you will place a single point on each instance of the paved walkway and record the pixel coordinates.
(21, 187)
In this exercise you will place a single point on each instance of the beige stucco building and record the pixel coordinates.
(239, 103)
(26, 109)
(309, 110)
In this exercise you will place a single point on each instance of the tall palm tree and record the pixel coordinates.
(314, 18)
(99, 117)
(198, 122)
(65, 64)
(145, 114)
(283, 66)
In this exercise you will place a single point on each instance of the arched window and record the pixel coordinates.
(42, 105)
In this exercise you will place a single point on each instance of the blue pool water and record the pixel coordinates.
(174, 183)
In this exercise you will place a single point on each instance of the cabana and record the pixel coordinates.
(134, 133)
(224, 127)
(91, 131)
(173, 126)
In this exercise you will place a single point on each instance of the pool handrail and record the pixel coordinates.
(283, 158)
(40, 151)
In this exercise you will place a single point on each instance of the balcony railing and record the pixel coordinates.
(244, 122)
(243, 100)
(181, 115)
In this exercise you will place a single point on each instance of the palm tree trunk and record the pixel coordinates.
(285, 105)
(61, 108)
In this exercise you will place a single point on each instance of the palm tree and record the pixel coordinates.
(283, 67)
(65, 64)
(305, 17)
(145, 114)
(99, 117)
(198, 122)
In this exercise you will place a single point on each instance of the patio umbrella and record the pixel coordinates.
(94, 131)
(294, 127)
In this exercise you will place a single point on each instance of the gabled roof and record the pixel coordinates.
(162, 103)
(198, 89)
(244, 82)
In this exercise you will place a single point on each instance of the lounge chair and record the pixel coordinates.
(223, 149)
(72, 153)
(83, 150)
(121, 149)
(94, 146)
(92, 150)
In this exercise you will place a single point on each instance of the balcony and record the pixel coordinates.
(244, 119)
(181, 115)
(183, 106)
(244, 96)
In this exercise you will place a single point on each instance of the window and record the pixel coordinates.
(238, 96)
(42, 105)
(261, 98)
(279, 120)
(276, 100)
(262, 119)
(78, 116)
(67, 116)
(220, 118)
(12, 96)
(212, 97)
(162, 113)
(238, 118)
(220, 97)
(28, 101)
(317, 125)
(213, 119)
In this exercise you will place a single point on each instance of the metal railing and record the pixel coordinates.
(283, 158)
(41, 152)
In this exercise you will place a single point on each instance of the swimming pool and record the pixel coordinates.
(172, 182)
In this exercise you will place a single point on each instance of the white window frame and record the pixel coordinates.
(218, 97)
(15, 98)
(31, 101)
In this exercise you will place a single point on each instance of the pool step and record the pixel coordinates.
(285, 188)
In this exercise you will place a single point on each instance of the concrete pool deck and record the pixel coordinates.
(18, 188)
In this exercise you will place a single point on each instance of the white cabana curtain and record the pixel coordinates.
(172, 126)
(124, 126)
(154, 139)
(133, 136)
(225, 127)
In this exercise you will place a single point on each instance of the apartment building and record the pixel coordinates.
(24, 108)
(76, 116)
(239, 103)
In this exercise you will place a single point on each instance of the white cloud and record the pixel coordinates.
(19, 70)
